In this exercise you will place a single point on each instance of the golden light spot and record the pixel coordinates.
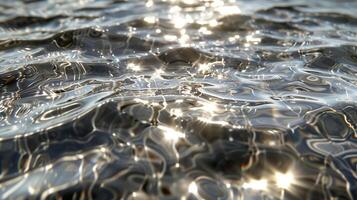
(220, 76)
(31, 190)
(210, 121)
(204, 67)
(213, 23)
(188, 2)
(284, 180)
(177, 112)
(209, 106)
(171, 134)
(133, 67)
(179, 22)
(205, 31)
(150, 19)
(184, 39)
(228, 10)
(192, 188)
(253, 39)
(228, 185)
(179, 101)
(158, 73)
(158, 31)
(234, 38)
(217, 3)
(256, 184)
(141, 101)
(170, 38)
(175, 9)
(149, 3)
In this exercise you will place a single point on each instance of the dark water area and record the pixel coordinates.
(178, 99)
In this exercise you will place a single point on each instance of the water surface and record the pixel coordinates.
(170, 99)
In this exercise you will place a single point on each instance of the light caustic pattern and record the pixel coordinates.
(178, 99)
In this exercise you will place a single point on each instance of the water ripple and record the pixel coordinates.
(178, 99)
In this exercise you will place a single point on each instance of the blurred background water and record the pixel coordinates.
(178, 99)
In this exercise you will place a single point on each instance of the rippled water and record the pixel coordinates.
(170, 99)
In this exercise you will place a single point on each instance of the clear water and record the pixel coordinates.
(169, 99)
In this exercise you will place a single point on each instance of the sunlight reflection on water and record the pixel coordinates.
(178, 99)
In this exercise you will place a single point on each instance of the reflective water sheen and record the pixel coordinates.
(178, 99)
